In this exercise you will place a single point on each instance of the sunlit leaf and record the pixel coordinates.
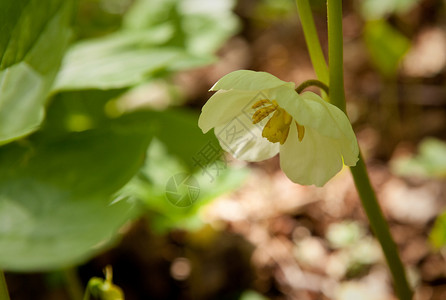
(116, 61)
(33, 38)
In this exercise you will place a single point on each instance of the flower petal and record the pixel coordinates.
(223, 106)
(241, 138)
(314, 160)
(350, 151)
(249, 81)
(311, 111)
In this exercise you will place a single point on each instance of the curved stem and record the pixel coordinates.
(359, 172)
(312, 82)
(312, 40)
(4, 295)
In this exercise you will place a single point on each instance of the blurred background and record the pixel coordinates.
(245, 231)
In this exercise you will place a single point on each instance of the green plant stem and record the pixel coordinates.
(73, 284)
(381, 229)
(359, 172)
(312, 82)
(312, 40)
(4, 295)
(335, 53)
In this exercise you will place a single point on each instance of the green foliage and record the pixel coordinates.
(73, 167)
(157, 37)
(55, 191)
(429, 163)
(61, 188)
(33, 38)
(386, 45)
(115, 61)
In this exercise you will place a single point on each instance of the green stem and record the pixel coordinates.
(312, 40)
(4, 295)
(359, 172)
(312, 82)
(335, 53)
(381, 229)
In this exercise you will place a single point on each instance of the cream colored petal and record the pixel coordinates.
(349, 150)
(244, 140)
(223, 106)
(314, 160)
(311, 111)
(249, 81)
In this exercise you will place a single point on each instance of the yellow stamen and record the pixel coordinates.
(260, 103)
(278, 127)
(300, 132)
(262, 113)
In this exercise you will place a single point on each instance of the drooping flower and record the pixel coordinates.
(255, 115)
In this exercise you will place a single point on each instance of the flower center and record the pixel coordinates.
(278, 127)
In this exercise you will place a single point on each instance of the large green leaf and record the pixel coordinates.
(115, 61)
(56, 189)
(33, 38)
(120, 60)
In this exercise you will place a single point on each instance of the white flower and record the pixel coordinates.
(255, 115)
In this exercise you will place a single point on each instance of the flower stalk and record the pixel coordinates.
(312, 40)
(359, 172)
(335, 53)
(381, 229)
